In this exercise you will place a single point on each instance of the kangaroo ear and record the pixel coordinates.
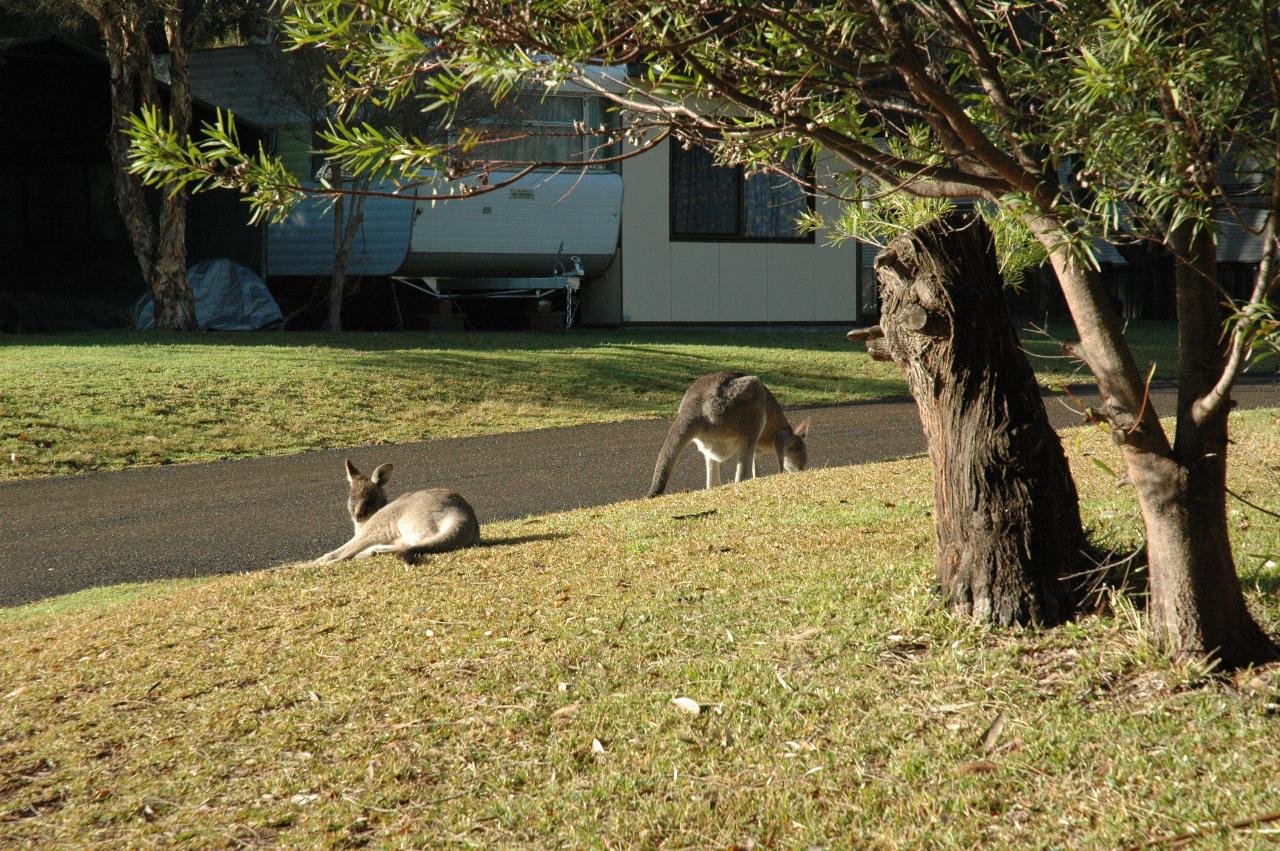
(381, 475)
(352, 472)
(802, 429)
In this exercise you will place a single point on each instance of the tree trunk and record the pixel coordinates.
(175, 302)
(1196, 606)
(346, 223)
(1006, 516)
(160, 247)
(338, 283)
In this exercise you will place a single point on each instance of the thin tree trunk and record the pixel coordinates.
(338, 283)
(1197, 607)
(1006, 515)
(175, 301)
(160, 248)
(346, 223)
(125, 98)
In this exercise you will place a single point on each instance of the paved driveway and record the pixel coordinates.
(65, 534)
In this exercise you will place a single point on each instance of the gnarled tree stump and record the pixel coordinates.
(1006, 514)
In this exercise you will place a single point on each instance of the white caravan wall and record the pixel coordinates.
(517, 230)
(688, 281)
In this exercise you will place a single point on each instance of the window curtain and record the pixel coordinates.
(773, 204)
(704, 196)
(520, 125)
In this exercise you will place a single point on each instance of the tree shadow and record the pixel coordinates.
(1263, 581)
(512, 540)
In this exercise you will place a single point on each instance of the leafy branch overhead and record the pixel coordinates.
(164, 157)
(924, 97)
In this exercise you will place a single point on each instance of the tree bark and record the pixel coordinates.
(175, 302)
(1006, 514)
(346, 222)
(159, 245)
(1196, 605)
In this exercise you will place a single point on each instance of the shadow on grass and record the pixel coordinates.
(512, 540)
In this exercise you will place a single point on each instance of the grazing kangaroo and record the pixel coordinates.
(731, 415)
(435, 520)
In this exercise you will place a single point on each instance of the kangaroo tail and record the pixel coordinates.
(677, 439)
(463, 532)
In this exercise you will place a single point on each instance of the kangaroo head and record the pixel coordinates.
(794, 453)
(366, 495)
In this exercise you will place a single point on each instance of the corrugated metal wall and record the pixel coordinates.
(303, 244)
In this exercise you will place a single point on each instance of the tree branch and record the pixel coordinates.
(906, 57)
(988, 73)
(866, 158)
(1208, 405)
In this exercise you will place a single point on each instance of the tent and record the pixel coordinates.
(229, 297)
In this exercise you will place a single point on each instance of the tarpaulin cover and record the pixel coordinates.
(229, 297)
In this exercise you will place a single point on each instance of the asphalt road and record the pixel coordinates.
(64, 534)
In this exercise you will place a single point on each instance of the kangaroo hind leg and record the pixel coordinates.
(713, 472)
(358, 547)
(454, 533)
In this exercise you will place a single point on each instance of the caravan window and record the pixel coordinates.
(714, 202)
(543, 129)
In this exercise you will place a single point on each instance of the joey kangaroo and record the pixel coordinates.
(731, 415)
(435, 520)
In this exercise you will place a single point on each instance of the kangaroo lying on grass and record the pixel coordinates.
(435, 520)
(731, 415)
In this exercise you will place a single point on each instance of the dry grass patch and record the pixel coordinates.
(520, 694)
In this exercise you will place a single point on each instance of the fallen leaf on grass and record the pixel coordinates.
(805, 634)
(992, 734)
(687, 704)
(565, 713)
(978, 766)
(1255, 684)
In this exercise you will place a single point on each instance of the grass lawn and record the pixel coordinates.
(71, 404)
(521, 694)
